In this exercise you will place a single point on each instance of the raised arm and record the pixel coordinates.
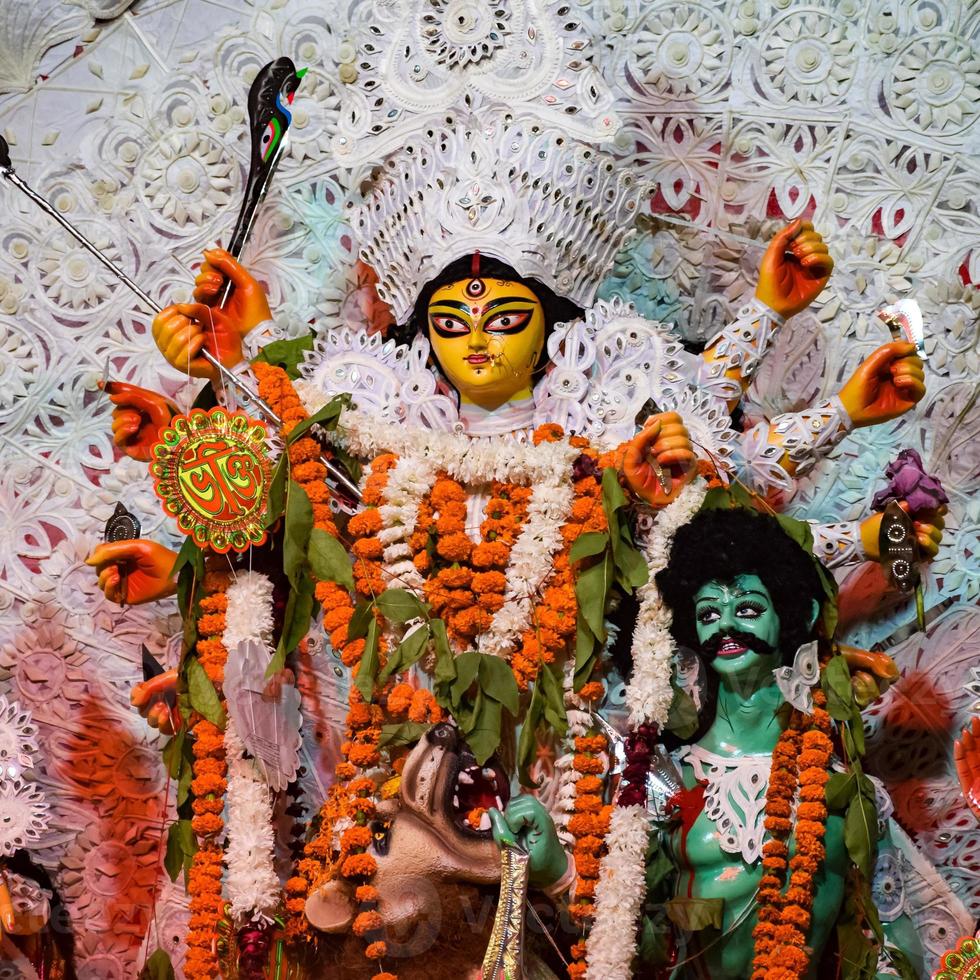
(794, 270)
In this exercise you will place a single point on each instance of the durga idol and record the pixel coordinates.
(520, 450)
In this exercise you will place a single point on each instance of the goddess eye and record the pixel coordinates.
(509, 322)
(447, 325)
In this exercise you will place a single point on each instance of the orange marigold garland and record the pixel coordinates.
(208, 786)
(589, 825)
(801, 761)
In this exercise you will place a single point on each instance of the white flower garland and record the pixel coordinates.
(531, 563)
(579, 724)
(648, 693)
(409, 480)
(253, 885)
(470, 460)
(619, 895)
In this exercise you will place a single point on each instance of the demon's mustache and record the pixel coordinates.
(709, 649)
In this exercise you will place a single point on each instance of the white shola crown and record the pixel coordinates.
(551, 207)
(484, 119)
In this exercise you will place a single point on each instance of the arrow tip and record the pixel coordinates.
(5, 163)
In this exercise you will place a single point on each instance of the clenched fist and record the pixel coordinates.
(183, 330)
(889, 383)
(247, 305)
(927, 524)
(794, 269)
(134, 571)
(665, 439)
(156, 701)
(138, 417)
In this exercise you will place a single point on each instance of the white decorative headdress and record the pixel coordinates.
(488, 118)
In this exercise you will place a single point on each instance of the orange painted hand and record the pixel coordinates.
(153, 700)
(247, 305)
(14, 924)
(181, 332)
(794, 269)
(871, 674)
(137, 418)
(889, 383)
(665, 439)
(134, 571)
(928, 526)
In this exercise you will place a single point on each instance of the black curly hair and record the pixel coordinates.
(718, 545)
(556, 308)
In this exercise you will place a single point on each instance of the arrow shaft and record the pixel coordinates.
(227, 377)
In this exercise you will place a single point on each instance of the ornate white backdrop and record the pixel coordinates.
(130, 118)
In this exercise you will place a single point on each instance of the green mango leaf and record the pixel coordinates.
(527, 744)
(591, 589)
(497, 681)
(363, 614)
(329, 559)
(613, 498)
(632, 569)
(181, 848)
(204, 698)
(682, 718)
(835, 679)
(695, 914)
(287, 354)
(483, 735)
(190, 555)
(858, 954)
(861, 833)
(407, 733)
(368, 669)
(445, 665)
(467, 669)
(409, 651)
(554, 698)
(852, 736)
(588, 544)
(276, 504)
(325, 417)
(173, 753)
(157, 967)
(296, 624)
(400, 606)
(799, 531)
(296, 537)
(840, 790)
(586, 652)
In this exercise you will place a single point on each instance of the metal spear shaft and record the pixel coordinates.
(227, 377)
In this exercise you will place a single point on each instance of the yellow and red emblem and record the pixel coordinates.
(212, 472)
(962, 963)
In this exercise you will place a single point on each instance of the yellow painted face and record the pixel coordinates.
(487, 335)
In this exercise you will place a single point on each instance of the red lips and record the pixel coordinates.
(478, 359)
(731, 648)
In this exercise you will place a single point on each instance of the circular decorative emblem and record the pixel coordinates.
(962, 963)
(212, 474)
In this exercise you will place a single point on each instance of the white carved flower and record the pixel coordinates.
(952, 312)
(23, 815)
(71, 277)
(808, 57)
(680, 50)
(462, 32)
(185, 177)
(935, 84)
(18, 739)
(20, 363)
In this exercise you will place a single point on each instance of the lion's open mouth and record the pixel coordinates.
(473, 790)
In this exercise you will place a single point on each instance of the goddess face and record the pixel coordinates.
(737, 625)
(487, 335)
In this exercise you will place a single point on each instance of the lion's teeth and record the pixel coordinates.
(485, 822)
(466, 779)
(500, 803)
(456, 802)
